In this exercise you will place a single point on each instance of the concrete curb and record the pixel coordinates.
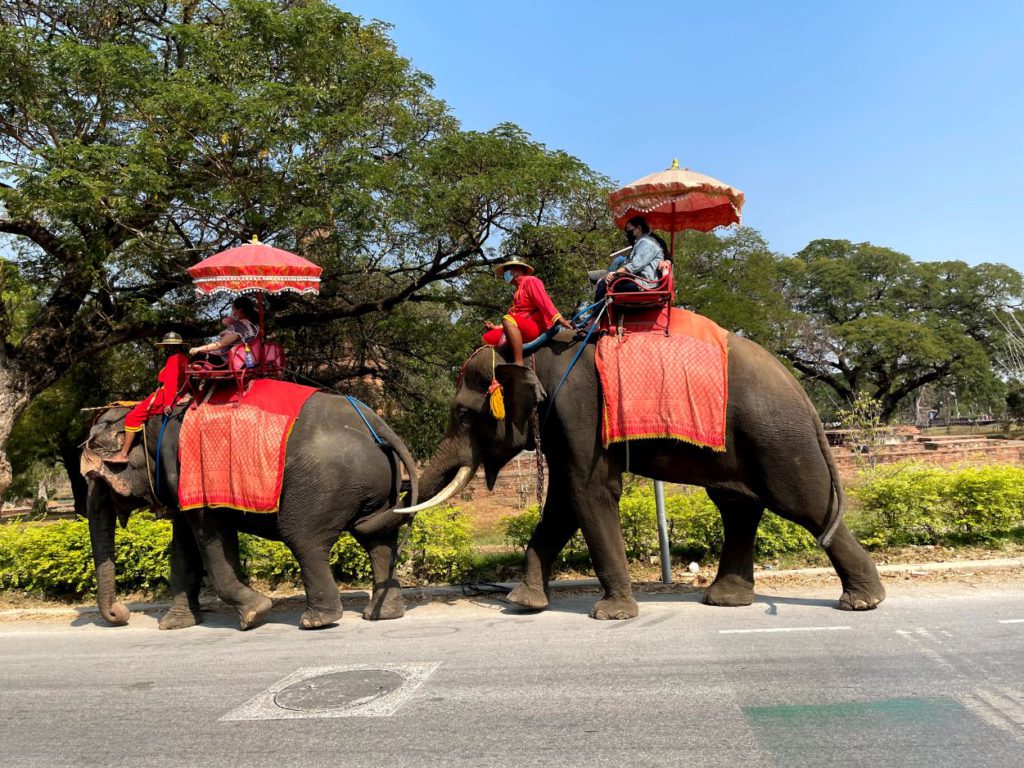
(496, 589)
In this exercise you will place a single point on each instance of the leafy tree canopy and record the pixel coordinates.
(140, 136)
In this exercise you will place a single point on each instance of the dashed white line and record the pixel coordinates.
(779, 629)
(1011, 621)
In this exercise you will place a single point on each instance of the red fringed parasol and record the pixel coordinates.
(677, 199)
(255, 268)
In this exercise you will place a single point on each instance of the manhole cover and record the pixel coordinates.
(338, 689)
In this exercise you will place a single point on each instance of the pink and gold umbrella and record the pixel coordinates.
(255, 268)
(677, 199)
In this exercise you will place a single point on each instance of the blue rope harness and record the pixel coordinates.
(575, 359)
(159, 445)
(355, 404)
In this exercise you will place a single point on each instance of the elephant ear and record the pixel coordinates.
(522, 392)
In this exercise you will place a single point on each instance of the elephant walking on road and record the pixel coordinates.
(336, 478)
(776, 458)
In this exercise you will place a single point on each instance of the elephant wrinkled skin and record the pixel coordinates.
(776, 458)
(336, 479)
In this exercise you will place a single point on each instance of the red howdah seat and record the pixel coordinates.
(268, 356)
(653, 295)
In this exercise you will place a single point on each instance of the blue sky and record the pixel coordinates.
(898, 123)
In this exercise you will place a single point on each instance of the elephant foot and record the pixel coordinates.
(615, 608)
(314, 619)
(861, 598)
(392, 606)
(528, 597)
(251, 615)
(180, 618)
(729, 590)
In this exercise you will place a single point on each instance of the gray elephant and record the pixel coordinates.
(336, 478)
(776, 458)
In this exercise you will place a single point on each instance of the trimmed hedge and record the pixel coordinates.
(694, 528)
(899, 504)
(55, 560)
(913, 503)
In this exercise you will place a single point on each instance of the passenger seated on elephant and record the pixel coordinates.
(645, 261)
(172, 378)
(531, 314)
(240, 328)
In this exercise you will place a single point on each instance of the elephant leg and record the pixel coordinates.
(862, 587)
(323, 603)
(734, 583)
(386, 601)
(596, 503)
(218, 543)
(186, 578)
(557, 525)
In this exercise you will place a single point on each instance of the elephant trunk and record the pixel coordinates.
(101, 532)
(447, 473)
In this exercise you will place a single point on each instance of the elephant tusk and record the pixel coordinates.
(464, 475)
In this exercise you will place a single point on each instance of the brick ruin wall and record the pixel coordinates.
(516, 485)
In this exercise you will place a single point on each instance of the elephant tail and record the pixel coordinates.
(396, 446)
(836, 499)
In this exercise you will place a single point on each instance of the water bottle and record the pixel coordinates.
(250, 361)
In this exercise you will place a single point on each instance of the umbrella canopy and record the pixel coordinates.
(255, 268)
(676, 199)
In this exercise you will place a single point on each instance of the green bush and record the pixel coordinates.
(55, 559)
(694, 528)
(919, 504)
(440, 545)
(519, 528)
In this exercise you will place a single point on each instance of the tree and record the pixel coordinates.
(736, 280)
(138, 137)
(872, 319)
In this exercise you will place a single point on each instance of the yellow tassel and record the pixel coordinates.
(497, 401)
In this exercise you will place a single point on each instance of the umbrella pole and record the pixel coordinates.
(672, 235)
(262, 340)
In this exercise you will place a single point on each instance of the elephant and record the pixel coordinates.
(336, 478)
(776, 458)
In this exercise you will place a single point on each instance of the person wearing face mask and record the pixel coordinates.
(645, 260)
(531, 314)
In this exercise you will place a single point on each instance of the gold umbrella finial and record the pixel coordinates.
(255, 240)
(675, 164)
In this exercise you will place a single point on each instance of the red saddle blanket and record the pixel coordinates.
(232, 454)
(666, 386)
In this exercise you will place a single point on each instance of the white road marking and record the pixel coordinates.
(931, 653)
(263, 707)
(779, 629)
(1011, 621)
(997, 707)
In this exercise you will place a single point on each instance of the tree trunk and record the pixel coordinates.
(14, 399)
(70, 455)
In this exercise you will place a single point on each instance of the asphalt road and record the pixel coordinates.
(934, 677)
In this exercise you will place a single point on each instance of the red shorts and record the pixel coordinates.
(527, 327)
(137, 416)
